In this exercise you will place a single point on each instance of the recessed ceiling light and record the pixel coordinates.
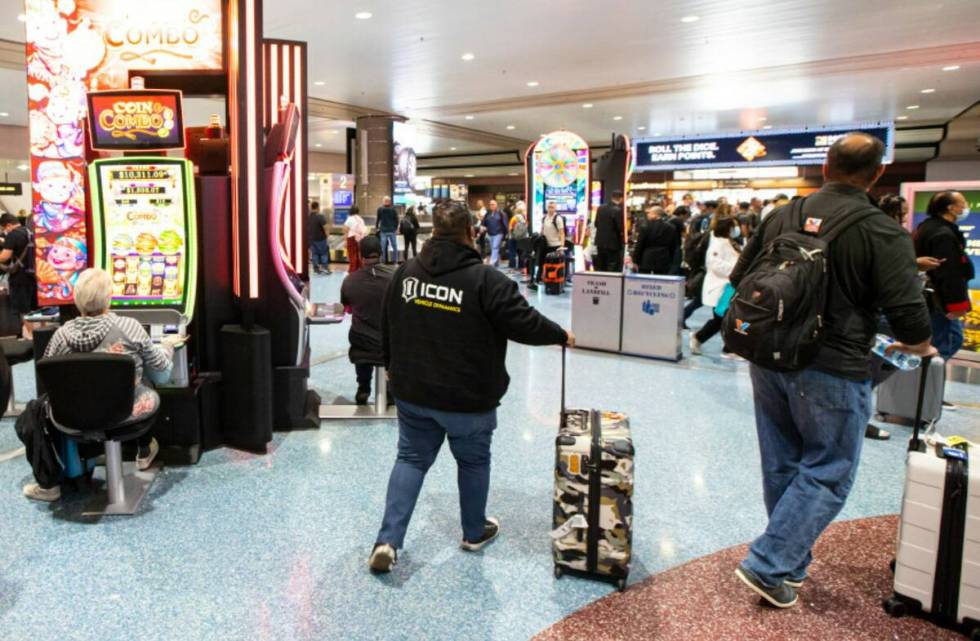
(511, 127)
(767, 127)
(640, 128)
(587, 105)
(533, 83)
(513, 173)
(363, 15)
(901, 117)
(617, 117)
(468, 176)
(4, 114)
(928, 91)
(317, 145)
(951, 68)
(23, 167)
(22, 17)
(467, 56)
(762, 119)
(912, 107)
(690, 19)
(334, 131)
(452, 149)
(319, 83)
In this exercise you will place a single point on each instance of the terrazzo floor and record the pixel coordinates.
(245, 547)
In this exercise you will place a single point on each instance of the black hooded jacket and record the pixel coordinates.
(447, 320)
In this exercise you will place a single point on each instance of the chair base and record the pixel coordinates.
(135, 486)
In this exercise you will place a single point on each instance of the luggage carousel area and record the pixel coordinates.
(703, 599)
(274, 547)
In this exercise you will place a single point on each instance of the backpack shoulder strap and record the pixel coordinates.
(842, 223)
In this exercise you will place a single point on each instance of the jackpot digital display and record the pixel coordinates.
(560, 175)
(746, 149)
(144, 218)
(136, 120)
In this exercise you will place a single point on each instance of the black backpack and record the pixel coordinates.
(775, 319)
(696, 250)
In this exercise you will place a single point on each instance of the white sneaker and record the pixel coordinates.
(695, 345)
(383, 558)
(144, 462)
(37, 493)
(731, 356)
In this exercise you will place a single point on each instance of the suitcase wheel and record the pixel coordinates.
(894, 607)
(621, 585)
(558, 572)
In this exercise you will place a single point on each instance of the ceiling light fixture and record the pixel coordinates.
(452, 149)
(22, 17)
(513, 173)
(762, 119)
(467, 56)
(690, 19)
(470, 117)
(587, 105)
(363, 15)
(469, 176)
(23, 167)
(617, 117)
(640, 128)
(317, 145)
(319, 83)
(912, 107)
(901, 117)
(768, 127)
(533, 83)
(511, 127)
(4, 114)
(951, 68)
(928, 91)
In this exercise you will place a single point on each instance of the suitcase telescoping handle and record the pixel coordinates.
(915, 444)
(564, 357)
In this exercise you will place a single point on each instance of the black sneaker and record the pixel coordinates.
(363, 393)
(876, 433)
(533, 287)
(781, 596)
(383, 558)
(490, 531)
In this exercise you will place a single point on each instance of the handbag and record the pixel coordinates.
(725, 300)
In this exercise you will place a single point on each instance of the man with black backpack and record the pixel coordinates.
(809, 288)
(17, 260)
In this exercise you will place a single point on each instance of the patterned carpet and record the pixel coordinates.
(703, 601)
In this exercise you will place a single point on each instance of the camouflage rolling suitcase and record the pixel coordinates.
(593, 467)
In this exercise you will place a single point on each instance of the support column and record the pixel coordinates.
(374, 164)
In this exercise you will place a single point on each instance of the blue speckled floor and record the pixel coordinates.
(246, 547)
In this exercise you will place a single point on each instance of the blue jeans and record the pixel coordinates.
(811, 427)
(495, 249)
(321, 253)
(947, 335)
(512, 253)
(421, 432)
(389, 238)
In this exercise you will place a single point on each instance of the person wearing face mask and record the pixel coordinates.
(939, 237)
(723, 254)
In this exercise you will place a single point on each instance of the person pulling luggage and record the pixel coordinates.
(450, 311)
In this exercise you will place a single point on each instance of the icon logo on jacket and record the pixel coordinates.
(410, 289)
(651, 308)
(742, 327)
(812, 225)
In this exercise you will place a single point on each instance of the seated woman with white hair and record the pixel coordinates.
(99, 330)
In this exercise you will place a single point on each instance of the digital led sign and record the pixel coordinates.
(747, 149)
(136, 120)
(560, 175)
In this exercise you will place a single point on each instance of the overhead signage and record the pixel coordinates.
(11, 189)
(748, 149)
(136, 120)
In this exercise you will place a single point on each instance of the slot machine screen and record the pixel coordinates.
(144, 219)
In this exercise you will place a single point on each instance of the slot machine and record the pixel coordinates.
(144, 233)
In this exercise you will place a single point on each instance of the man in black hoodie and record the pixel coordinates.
(447, 319)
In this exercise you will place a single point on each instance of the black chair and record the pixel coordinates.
(15, 350)
(90, 398)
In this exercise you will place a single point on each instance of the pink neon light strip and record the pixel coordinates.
(252, 150)
(299, 170)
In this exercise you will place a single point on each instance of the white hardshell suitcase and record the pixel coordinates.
(937, 562)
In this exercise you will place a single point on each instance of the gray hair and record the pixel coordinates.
(93, 292)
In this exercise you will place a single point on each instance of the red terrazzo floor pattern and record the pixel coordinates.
(703, 601)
